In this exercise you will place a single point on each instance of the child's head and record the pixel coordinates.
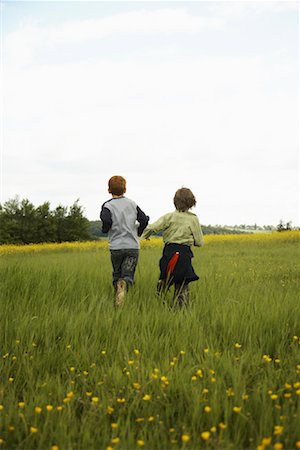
(184, 199)
(117, 185)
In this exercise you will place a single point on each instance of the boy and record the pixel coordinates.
(119, 216)
(181, 229)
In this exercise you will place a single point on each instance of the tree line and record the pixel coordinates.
(23, 223)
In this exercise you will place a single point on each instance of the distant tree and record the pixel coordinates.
(11, 222)
(284, 226)
(60, 221)
(45, 223)
(77, 224)
(22, 223)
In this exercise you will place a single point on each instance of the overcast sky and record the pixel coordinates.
(168, 94)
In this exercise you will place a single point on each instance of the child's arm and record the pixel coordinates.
(159, 225)
(142, 219)
(105, 216)
(197, 233)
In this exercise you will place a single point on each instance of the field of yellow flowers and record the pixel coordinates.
(223, 373)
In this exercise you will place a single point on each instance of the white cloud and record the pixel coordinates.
(21, 46)
(230, 9)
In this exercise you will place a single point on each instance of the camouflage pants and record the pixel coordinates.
(124, 262)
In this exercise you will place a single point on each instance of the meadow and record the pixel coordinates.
(223, 373)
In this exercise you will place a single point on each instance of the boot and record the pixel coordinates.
(120, 293)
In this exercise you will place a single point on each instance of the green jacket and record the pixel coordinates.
(178, 228)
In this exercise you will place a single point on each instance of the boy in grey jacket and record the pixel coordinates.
(119, 217)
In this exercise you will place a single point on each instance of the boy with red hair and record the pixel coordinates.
(119, 217)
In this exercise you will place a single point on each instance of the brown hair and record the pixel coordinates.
(184, 199)
(117, 185)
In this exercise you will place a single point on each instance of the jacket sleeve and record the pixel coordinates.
(105, 216)
(197, 233)
(160, 225)
(142, 219)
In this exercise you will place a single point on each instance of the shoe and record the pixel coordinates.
(120, 293)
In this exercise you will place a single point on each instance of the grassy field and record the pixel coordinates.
(223, 373)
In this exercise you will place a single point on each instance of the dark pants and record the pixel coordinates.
(124, 262)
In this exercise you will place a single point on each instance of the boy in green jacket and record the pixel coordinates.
(181, 229)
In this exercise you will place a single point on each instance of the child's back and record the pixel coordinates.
(123, 232)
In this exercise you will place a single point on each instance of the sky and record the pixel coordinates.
(199, 94)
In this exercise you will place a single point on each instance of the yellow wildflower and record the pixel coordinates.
(139, 419)
(266, 441)
(298, 444)
(194, 378)
(136, 351)
(11, 428)
(237, 345)
(21, 405)
(140, 442)
(274, 396)
(114, 425)
(207, 409)
(1, 407)
(147, 397)
(205, 435)
(278, 429)
(109, 410)
(2, 441)
(49, 407)
(137, 386)
(88, 394)
(185, 438)
(222, 425)
(55, 447)
(121, 400)
(230, 392)
(70, 394)
(95, 400)
(59, 408)
(150, 418)
(115, 440)
(199, 373)
(278, 446)
(11, 379)
(33, 430)
(213, 429)
(38, 410)
(237, 409)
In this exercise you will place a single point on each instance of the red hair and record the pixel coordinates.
(117, 185)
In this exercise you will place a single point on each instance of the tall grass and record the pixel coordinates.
(150, 369)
